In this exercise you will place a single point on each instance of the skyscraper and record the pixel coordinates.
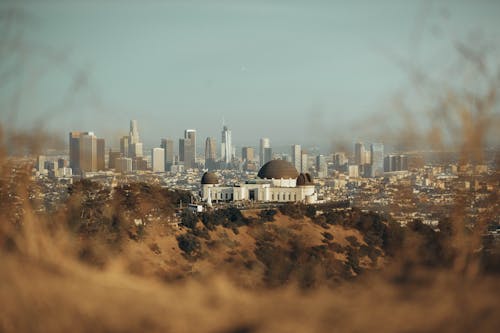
(304, 165)
(321, 166)
(297, 157)
(187, 149)
(83, 152)
(359, 153)
(88, 152)
(74, 151)
(134, 132)
(112, 157)
(134, 143)
(377, 159)
(101, 152)
(124, 146)
(265, 153)
(158, 159)
(210, 153)
(168, 146)
(226, 146)
(247, 153)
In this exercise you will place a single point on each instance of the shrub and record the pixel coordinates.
(189, 219)
(189, 244)
(267, 215)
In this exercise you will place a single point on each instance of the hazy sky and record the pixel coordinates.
(293, 71)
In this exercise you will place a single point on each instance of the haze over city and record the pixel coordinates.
(294, 71)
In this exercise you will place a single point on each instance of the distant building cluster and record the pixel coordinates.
(87, 155)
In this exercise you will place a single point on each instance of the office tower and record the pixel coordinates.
(368, 157)
(304, 166)
(353, 171)
(112, 157)
(134, 142)
(83, 152)
(387, 164)
(62, 163)
(265, 148)
(321, 166)
(168, 146)
(40, 163)
(210, 153)
(404, 162)
(74, 151)
(123, 164)
(377, 159)
(88, 152)
(226, 147)
(181, 150)
(248, 157)
(139, 164)
(135, 149)
(247, 154)
(359, 153)
(158, 159)
(297, 157)
(394, 163)
(187, 149)
(101, 152)
(134, 132)
(124, 146)
(339, 160)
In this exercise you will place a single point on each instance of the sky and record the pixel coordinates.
(306, 72)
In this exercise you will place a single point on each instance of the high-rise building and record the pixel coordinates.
(101, 152)
(187, 149)
(181, 149)
(247, 153)
(134, 132)
(134, 142)
(248, 158)
(40, 163)
(339, 161)
(359, 153)
(74, 151)
(265, 153)
(210, 153)
(226, 146)
(85, 152)
(321, 166)
(395, 163)
(377, 159)
(353, 171)
(297, 157)
(88, 152)
(158, 159)
(168, 146)
(123, 164)
(62, 163)
(139, 164)
(124, 146)
(304, 165)
(112, 156)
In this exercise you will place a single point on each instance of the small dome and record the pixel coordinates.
(277, 169)
(304, 179)
(209, 178)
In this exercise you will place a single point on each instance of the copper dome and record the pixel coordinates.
(278, 169)
(209, 178)
(304, 179)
